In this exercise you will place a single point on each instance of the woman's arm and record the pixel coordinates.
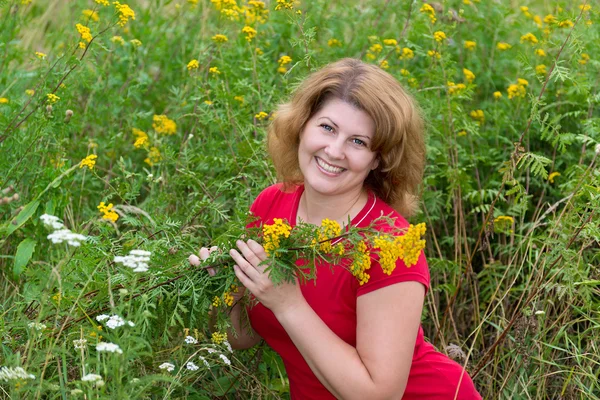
(387, 326)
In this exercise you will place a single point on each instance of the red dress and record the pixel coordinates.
(333, 298)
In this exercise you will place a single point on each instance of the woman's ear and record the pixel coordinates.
(375, 163)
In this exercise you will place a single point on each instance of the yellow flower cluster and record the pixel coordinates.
(439, 36)
(3, 100)
(118, 40)
(102, 2)
(390, 42)
(497, 95)
(89, 161)
(389, 252)
(540, 69)
(469, 75)
(162, 124)
(91, 14)
(108, 212)
(503, 46)
(567, 23)
(529, 37)
(273, 233)
(540, 52)
(478, 116)
(136, 42)
(239, 98)
(84, 31)
(216, 301)
(40, 55)
(154, 156)
(125, 13)
(329, 229)
(334, 43)
(141, 138)
(404, 72)
(283, 61)
(517, 89)
(219, 38)
(29, 92)
(384, 64)
(552, 176)
(256, 12)
(52, 98)
(584, 58)
(285, 5)
(218, 337)
(228, 296)
(214, 71)
(261, 115)
(429, 11)
(525, 11)
(470, 45)
(193, 64)
(434, 54)
(361, 263)
(503, 223)
(406, 54)
(249, 32)
(455, 88)
(410, 244)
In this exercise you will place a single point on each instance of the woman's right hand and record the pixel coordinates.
(204, 254)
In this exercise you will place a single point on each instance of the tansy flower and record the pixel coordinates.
(540, 52)
(462, 133)
(522, 82)
(497, 95)
(429, 11)
(404, 72)
(117, 40)
(407, 54)
(30, 92)
(193, 64)
(361, 262)
(40, 55)
(162, 124)
(258, 51)
(467, 2)
(540, 69)
(216, 301)
(218, 337)
(470, 45)
(261, 115)
(52, 98)
(284, 60)
(84, 31)
(3, 100)
(503, 223)
(249, 32)
(135, 42)
(285, 5)
(538, 21)
(434, 53)
(384, 64)
(89, 161)
(154, 156)
(239, 98)
(525, 11)
(529, 37)
(469, 75)
(390, 42)
(208, 102)
(214, 71)
(273, 233)
(550, 19)
(125, 13)
(410, 245)
(503, 46)
(585, 7)
(376, 48)
(413, 82)
(478, 116)
(91, 14)
(455, 88)
(567, 23)
(370, 55)
(585, 57)
(219, 38)
(334, 43)
(552, 176)
(108, 212)
(518, 89)
(141, 138)
(439, 36)
(102, 2)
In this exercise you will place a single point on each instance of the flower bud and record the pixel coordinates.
(68, 115)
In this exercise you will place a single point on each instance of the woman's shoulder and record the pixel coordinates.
(381, 209)
(272, 197)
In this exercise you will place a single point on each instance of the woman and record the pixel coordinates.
(349, 146)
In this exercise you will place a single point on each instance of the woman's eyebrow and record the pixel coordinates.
(330, 120)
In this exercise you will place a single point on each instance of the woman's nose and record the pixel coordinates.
(335, 150)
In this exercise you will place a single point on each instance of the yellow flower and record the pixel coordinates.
(3, 100)
(567, 23)
(407, 54)
(538, 21)
(108, 212)
(162, 124)
(282, 70)
(219, 38)
(478, 116)
(218, 337)
(239, 98)
(91, 14)
(258, 51)
(529, 37)
(135, 42)
(89, 161)
(434, 53)
(376, 48)
(515, 91)
(540, 69)
(125, 13)
(193, 2)
(261, 115)
(503, 46)
(404, 72)
(283, 60)
(30, 92)
(525, 11)
(117, 40)
(552, 176)
(585, 57)
(216, 301)
(371, 56)
(439, 36)
(413, 82)
(503, 223)
(214, 71)
(390, 42)
(540, 52)
(455, 88)
(497, 95)
(469, 75)
(429, 11)
(249, 32)
(40, 55)
(154, 156)
(273, 233)
(550, 19)
(467, 2)
(84, 31)
(141, 138)
(334, 43)
(410, 245)
(384, 64)
(285, 5)
(193, 64)
(470, 45)
(102, 2)
(361, 262)
(208, 102)
(52, 98)
(585, 7)
(522, 82)
(462, 133)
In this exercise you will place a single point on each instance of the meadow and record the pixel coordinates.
(132, 134)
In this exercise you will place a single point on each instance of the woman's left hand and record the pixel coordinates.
(279, 299)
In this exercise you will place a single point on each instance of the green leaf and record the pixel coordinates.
(24, 252)
(23, 217)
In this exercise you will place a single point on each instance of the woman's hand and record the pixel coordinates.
(279, 299)
(204, 255)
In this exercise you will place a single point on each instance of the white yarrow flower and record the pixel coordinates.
(191, 366)
(65, 235)
(14, 373)
(114, 321)
(91, 378)
(110, 347)
(136, 260)
(226, 344)
(225, 359)
(102, 317)
(204, 361)
(210, 351)
(168, 366)
(52, 222)
(190, 340)
(37, 326)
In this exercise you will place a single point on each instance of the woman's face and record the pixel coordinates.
(335, 154)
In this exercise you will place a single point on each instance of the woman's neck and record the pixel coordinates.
(314, 207)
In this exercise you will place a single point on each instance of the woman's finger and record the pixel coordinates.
(244, 265)
(257, 249)
(248, 253)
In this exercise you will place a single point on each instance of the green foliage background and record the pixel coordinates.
(514, 299)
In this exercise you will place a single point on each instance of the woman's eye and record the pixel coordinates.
(359, 142)
(327, 127)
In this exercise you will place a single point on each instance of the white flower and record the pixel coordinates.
(204, 361)
(14, 373)
(110, 347)
(191, 366)
(168, 366)
(99, 383)
(37, 326)
(80, 343)
(52, 222)
(102, 317)
(136, 260)
(91, 378)
(190, 340)
(225, 359)
(210, 351)
(114, 321)
(540, 312)
(65, 235)
(226, 344)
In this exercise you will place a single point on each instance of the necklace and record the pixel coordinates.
(345, 214)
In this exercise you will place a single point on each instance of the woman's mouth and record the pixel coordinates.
(325, 166)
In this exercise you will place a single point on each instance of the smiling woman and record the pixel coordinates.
(349, 148)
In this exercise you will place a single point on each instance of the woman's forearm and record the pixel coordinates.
(241, 335)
